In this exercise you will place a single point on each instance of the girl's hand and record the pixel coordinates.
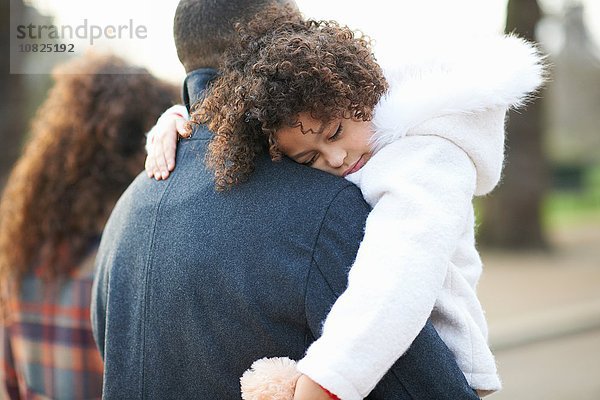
(307, 389)
(161, 142)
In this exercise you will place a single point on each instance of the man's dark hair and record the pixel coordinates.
(203, 28)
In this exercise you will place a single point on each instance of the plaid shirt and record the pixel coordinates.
(47, 349)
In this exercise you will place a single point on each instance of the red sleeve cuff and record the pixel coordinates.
(331, 395)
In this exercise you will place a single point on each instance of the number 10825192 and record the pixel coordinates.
(47, 48)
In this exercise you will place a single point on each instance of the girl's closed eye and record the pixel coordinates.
(311, 161)
(337, 133)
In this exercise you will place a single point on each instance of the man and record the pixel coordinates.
(193, 285)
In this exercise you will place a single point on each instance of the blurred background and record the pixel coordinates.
(539, 232)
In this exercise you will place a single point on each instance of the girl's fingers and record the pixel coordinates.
(161, 159)
(156, 170)
(155, 155)
(148, 168)
(169, 144)
(180, 126)
(159, 165)
(162, 146)
(149, 164)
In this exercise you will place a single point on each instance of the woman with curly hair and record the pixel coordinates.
(86, 146)
(420, 141)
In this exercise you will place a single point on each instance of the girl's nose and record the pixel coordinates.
(335, 157)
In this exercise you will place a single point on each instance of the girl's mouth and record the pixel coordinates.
(357, 165)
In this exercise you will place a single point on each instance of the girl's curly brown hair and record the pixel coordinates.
(86, 146)
(280, 66)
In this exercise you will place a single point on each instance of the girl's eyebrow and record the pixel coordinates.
(320, 130)
(322, 127)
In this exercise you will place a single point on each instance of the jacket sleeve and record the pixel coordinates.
(421, 189)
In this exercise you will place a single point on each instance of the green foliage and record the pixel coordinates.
(573, 207)
(567, 207)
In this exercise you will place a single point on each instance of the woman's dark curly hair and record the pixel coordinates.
(283, 65)
(86, 146)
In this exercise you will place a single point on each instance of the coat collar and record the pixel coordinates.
(195, 84)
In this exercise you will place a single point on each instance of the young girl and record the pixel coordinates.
(419, 150)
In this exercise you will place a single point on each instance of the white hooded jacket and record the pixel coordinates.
(439, 141)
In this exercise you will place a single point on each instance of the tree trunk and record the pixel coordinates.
(512, 213)
(12, 100)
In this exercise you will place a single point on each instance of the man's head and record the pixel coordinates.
(203, 29)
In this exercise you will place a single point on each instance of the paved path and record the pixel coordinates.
(544, 316)
(567, 368)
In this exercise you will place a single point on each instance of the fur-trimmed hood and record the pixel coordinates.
(463, 77)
